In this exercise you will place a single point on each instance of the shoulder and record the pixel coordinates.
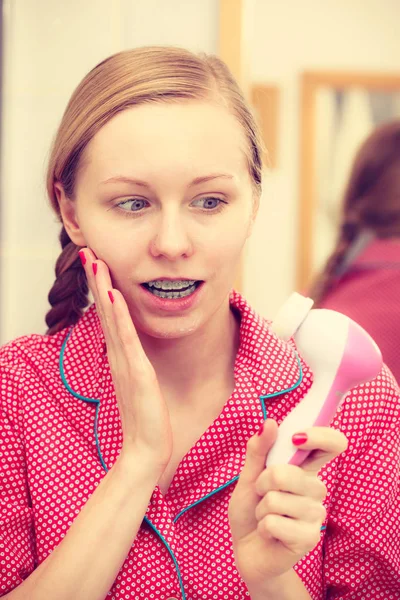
(31, 357)
(30, 351)
(370, 412)
(35, 350)
(31, 365)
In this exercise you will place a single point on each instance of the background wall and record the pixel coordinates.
(289, 38)
(49, 47)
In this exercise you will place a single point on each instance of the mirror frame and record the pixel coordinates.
(310, 82)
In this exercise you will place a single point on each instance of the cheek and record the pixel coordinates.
(120, 252)
(229, 237)
(106, 236)
(228, 257)
(222, 253)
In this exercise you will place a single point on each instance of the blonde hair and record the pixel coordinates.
(129, 78)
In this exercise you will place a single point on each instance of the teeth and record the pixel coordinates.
(173, 294)
(162, 284)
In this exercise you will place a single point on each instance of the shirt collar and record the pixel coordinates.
(380, 252)
(261, 355)
(265, 367)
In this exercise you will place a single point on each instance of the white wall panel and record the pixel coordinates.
(49, 46)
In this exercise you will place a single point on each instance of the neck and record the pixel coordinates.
(204, 359)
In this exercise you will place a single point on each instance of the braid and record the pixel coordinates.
(332, 271)
(69, 294)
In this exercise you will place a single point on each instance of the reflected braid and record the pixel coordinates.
(69, 294)
(333, 268)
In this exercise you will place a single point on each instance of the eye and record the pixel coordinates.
(210, 203)
(136, 204)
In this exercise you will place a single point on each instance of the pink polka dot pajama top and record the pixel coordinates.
(60, 433)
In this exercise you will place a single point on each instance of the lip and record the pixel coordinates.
(168, 305)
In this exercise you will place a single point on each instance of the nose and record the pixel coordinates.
(171, 239)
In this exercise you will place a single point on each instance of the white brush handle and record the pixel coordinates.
(308, 413)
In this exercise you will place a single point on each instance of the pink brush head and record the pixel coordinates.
(335, 347)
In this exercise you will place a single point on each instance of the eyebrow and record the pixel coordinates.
(196, 181)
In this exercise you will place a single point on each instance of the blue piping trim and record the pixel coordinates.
(205, 497)
(300, 379)
(91, 400)
(171, 554)
(97, 402)
(262, 398)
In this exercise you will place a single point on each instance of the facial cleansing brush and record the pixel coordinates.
(340, 354)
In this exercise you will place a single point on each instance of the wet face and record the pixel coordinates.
(165, 199)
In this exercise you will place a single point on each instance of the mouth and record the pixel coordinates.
(172, 289)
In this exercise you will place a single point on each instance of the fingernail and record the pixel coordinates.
(259, 432)
(82, 256)
(94, 266)
(299, 438)
(111, 296)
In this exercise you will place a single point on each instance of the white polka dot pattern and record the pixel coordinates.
(50, 466)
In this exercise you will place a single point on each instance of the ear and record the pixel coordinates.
(68, 215)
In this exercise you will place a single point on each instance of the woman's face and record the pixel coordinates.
(164, 194)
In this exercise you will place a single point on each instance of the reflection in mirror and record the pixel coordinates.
(338, 112)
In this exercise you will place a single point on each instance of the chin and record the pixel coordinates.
(170, 331)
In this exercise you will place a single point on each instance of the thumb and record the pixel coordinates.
(258, 447)
(244, 500)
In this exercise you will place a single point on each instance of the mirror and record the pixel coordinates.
(338, 111)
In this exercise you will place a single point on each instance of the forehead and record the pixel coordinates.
(187, 136)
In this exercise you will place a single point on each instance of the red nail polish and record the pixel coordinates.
(259, 432)
(82, 257)
(94, 266)
(299, 438)
(111, 296)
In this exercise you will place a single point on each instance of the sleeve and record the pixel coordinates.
(17, 540)
(362, 541)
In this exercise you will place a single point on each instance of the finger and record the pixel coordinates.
(256, 452)
(325, 444)
(117, 353)
(127, 339)
(298, 536)
(102, 284)
(292, 479)
(88, 257)
(99, 281)
(290, 505)
(124, 348)
(244, 499)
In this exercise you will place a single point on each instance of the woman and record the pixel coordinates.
(126, 428)
(362, 275)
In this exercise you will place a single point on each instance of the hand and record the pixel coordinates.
(276, 513)
(144, 414)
